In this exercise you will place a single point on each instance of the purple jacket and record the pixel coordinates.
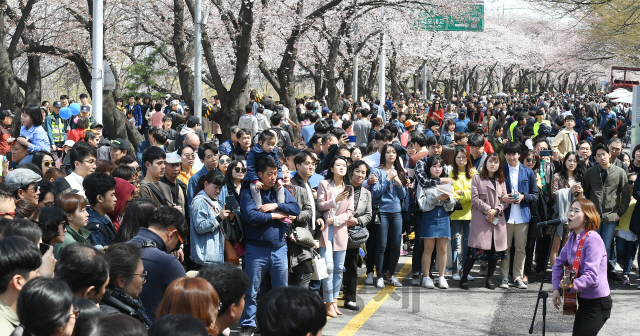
(592, 280)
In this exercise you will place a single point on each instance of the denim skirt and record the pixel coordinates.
(435, 224)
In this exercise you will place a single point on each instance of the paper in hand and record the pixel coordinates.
(445, 189)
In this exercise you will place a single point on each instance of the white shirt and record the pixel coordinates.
(515, 216)
(373, 160)
(75, 181)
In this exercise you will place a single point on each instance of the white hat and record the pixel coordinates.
(173, 157)
(69, 143)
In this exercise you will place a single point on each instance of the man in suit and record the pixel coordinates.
(567, 139)
(523, 189)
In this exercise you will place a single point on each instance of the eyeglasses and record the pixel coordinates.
(90, 162)
(177, 234)
(47, 204)
(35, 189)
(238, 170)
(632, 182)
(530, 160)
(138, 169)
(49, 163)
(143, 275)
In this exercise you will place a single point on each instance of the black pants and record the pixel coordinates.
(591, 315)
(300, 275)
(350, 278)
(371, 244)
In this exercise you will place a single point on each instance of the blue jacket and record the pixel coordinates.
(226, 147)
(137, 113)
(207, 240)
(260, 228)
(162, 269)
(527, 185)
(387, 194)
(307, 132)
(101, 227)
(254, 156)
(462, 125)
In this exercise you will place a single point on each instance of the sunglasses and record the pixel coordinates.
(225, 161)
(177, 234)
(632, 182)
(530, 160)
(238, 170)
(49, 163)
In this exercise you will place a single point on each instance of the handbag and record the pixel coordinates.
(304, 237)
(358, 235)
(319, 267)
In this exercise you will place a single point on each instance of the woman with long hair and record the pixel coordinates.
(565, 185)
(634, 167)
(233, 177)
(585, 257)
(462, 174)
(436, 112)
(489, 119)
(335, 202)
(137, 215)
(45, 308)
(44, 160)
(488, 230)
(53, 223)
(207, 214)
(387, 195)
(191, 296)
(223, 163)
(496, 140)
(449, 132)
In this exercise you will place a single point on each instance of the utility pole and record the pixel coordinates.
(355, 59)
(197, 64)
(531, 84)
(381, 76)
(500, 80)
(96, 70)
(424, 81)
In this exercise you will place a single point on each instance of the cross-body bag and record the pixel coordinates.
(230, 254)
(358, 234)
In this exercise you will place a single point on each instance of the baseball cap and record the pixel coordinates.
(20, 178)
(173, 157)
(120, 143)
(85, 108)
(290, 151)
(96, 125)
(325, 110)
(167, 96)
(174, 103)
(57, 103)
(69, 143)
(6, 113)
(410, 123)
(192, 121)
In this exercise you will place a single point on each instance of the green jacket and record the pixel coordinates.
(71, 237)
(613, 197)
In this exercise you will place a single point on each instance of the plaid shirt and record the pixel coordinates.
(422, 176)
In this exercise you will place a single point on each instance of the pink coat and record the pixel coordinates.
(484, 197)
(326, 200)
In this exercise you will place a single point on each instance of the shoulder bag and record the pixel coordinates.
(230, 254)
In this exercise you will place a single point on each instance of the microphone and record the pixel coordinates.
(557, 221)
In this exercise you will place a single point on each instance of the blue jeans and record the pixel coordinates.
(607, 231)
(418, 244)
(390, 237)
(335, 263)
(257, 261)
(626, 253)
(456, 227)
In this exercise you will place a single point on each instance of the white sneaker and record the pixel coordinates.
(427, 283)
(442, 283)
(520, 284)
(394, 281)
(447, 272)
(456, 277)
(369, 279)
(505, 283)
(415, 279)
(470, 278)
(617, 268)
(380, 282)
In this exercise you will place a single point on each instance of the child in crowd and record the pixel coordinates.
(266, 146)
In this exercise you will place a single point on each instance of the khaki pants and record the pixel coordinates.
(517, 232)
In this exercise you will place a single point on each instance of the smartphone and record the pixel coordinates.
(546, 153)
(231, 203)
(44, 248)
(9, 156)
(349, 189)
(352, 138)
(60, 152)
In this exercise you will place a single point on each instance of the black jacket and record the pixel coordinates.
(238, 154)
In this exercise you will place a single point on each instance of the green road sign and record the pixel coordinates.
(470, 21)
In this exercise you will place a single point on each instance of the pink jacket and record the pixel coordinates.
(326, 201)
(484, 197)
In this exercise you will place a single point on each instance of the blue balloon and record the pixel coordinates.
(65, 113)
(75, 108)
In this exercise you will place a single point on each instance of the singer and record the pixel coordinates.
(590, 267)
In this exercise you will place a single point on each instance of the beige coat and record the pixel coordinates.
(484, 197)
(563, 144)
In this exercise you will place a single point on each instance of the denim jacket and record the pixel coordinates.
(387, 194)
(207, 240)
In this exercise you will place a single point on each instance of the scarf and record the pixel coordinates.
(136, 304)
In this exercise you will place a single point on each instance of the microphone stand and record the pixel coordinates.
(542, 295)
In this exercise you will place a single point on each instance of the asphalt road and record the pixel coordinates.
(411, 310)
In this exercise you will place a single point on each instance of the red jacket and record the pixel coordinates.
(76, 135)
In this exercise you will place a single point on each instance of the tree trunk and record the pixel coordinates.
(10, 95)
(115, 122)
(33, 89)
(185, 74)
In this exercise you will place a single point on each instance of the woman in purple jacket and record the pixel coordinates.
(590, 281)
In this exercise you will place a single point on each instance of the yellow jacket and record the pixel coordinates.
(462, 184)
(185, 176)
(625, 220)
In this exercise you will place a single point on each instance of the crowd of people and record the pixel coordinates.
(193, 234)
